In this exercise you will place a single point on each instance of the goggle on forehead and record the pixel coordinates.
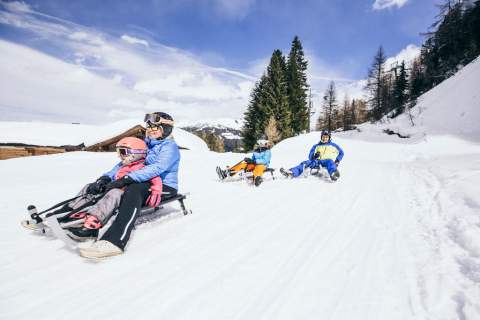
(155, 120)
(123, 152)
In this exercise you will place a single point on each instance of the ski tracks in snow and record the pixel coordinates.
(392, 239)
(449, 266)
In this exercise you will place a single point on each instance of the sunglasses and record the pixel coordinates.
(153, 127)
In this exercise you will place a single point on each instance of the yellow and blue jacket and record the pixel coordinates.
(326, 151)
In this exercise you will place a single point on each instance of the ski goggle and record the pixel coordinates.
(155, 118)
(123, 152)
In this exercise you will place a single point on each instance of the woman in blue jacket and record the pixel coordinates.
(323, 154)
(162, 161)
(257, 164)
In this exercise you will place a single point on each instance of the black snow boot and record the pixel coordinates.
(257, 181)
(82, 234)
(286, 174)
(335, 175)
(222, 174)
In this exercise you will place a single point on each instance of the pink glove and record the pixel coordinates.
(154, 198)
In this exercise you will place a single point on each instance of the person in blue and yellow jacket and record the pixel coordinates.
(257, 164)
(323, 154)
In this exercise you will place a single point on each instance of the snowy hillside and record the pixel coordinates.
(452, 107)
(397, 237)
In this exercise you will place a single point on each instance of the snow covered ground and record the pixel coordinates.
(397, 237)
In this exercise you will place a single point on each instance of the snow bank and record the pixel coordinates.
(451, 108)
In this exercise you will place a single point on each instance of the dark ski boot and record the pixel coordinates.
(285, 173)
(89, 230)
(222, 174)
(82, 234)
(257, 181)
(335, 175)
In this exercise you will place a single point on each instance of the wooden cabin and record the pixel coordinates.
(109, 145)
(8, 152)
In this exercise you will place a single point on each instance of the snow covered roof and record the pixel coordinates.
(58, 134)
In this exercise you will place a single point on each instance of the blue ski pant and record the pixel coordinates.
(327, 163)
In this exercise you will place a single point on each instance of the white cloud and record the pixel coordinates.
(108, 78)
(17, 6)
(407, 54)
(384, 4)
(133, 40)
(38, 86)
(236, 9)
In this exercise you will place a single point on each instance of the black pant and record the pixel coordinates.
(132, 201)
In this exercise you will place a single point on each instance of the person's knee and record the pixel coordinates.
(135, 188)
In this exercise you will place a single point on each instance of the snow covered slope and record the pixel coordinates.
(397, 237)
(452, 108)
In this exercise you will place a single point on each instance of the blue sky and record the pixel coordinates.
(233, 33)
(221, 46)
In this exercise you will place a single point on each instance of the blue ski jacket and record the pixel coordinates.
(262, 157)
(162, 160)
(326, 151)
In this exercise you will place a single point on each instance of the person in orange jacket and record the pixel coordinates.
(257, 164)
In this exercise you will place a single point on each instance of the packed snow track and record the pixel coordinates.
(397, 237)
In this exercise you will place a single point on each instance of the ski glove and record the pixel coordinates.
(249, 161)
(120, 183)
(154, 198)
(337, 162)
(98, 186)
(316, 156)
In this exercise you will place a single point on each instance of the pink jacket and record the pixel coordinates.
(156, 183)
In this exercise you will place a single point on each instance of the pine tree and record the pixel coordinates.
(472, 29)
(346, 114)
(416, 83)
(376, 85)
(329, 109)
(271, 131)
(297, 87)
(276, 98)
(400, 89)
(353, 112)
(255, 115)
(386, 93)
(361, 109)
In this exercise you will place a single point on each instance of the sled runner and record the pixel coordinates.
(322, 173)
(319, 172)
(242, 175)
(47, 222)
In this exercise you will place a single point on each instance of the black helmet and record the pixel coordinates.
(325, 133)
(160, 119)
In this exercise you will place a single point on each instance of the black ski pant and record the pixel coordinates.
(131, 204)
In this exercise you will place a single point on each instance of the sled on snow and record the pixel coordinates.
(46, 222)
(244, 175)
